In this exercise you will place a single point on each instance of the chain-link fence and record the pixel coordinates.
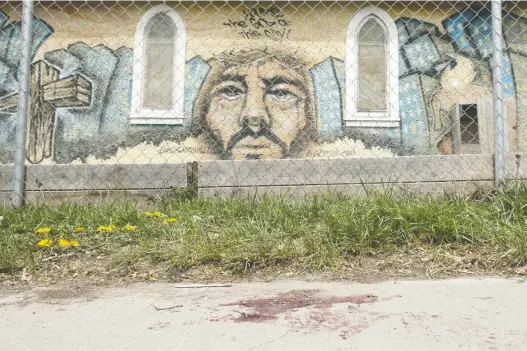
(133, 98)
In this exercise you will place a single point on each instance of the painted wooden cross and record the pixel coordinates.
(47, 93)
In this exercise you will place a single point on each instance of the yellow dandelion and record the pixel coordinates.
(169, 220)
(45, 242)
(79, 229)
(64, 242)
(74, 243)
(130, 227)
(103, 228)
(43, 230)
(67, 243)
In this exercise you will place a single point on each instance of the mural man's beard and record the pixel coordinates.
(255, 141)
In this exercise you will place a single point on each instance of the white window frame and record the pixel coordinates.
(390, 117)
(141, 114)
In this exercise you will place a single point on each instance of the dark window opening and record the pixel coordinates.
(469, 129)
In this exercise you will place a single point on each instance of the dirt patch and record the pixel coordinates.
(97, 268)
(60, 294)
(265, 309)
(75, 292)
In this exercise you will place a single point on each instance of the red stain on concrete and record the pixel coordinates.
(265, 309)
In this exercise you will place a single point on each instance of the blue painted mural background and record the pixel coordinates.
(9, 61)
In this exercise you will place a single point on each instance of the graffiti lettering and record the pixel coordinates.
(250, 34)
(272, 33)
(257, 12)
(236, 24)
(269, 33)
(261, 22)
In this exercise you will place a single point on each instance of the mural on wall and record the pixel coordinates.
(10, 39)
(448, 66)
(258, 102)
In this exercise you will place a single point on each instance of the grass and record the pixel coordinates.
(319, 233)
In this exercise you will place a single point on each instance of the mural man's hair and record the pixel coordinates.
(244, 57)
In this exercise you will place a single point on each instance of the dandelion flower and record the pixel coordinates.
(74, 243)
(45, 243)
(79, 229)
(169, 220)
(67, 243)
(153, 214)
(103, 228)
(130, 227)
(64, 243)
(43, 230)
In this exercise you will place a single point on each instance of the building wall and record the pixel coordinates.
(444, 52)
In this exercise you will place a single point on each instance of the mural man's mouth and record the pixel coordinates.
(256, 144)
(254, 141)
(252, 149)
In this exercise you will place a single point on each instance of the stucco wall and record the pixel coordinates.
(443, 58)
(318, 29)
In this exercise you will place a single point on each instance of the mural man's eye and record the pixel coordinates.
(280, 94)
(231, 92)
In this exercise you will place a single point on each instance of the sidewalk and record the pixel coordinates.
(456, 314)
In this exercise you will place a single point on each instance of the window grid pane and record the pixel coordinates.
(159, 74)
(371, 89)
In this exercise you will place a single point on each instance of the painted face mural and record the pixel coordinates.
(256, 104)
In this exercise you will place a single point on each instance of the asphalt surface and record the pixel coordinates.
(457, 314)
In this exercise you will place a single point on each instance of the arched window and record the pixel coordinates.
(372, 70)
(159, 68)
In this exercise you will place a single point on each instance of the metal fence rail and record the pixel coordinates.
(104, 99)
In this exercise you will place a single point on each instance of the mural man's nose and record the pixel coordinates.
(254, 114)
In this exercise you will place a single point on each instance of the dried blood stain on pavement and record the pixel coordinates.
(317, 315)
(265, 309)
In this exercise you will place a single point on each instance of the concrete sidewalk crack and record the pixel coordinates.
(269, 342)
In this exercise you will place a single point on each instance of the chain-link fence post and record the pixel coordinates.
(497, 87)
(24, 74)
